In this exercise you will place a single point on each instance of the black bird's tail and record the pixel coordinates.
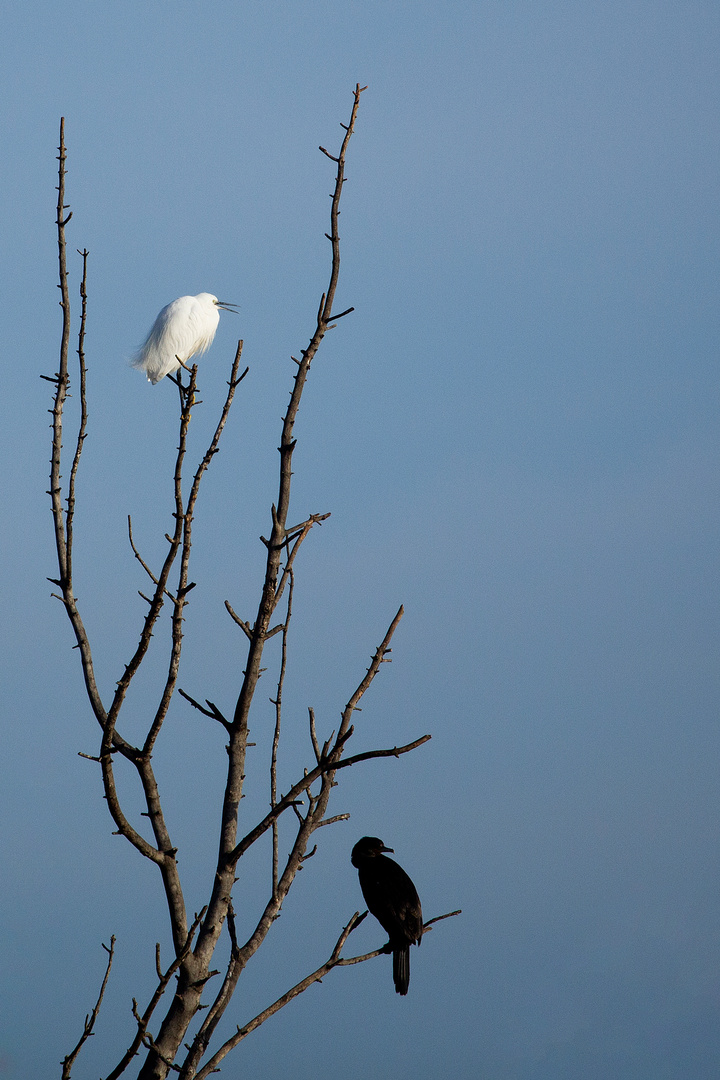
(401, 968)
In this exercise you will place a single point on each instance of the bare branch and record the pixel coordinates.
(313, 735)
(139, 558)
(350, 960)
(217, 1008)
(243, 625)
(439, 918)
(89, 1024)
(144, 1020)
(61, 379)
(83, 416)
(394, 751)
(327, 765)
(332, 820)
(295, 538)
(268, 599)
(212, 711)
(341, 315)
(171, 585)
(316, 976)
(278, 719)
(180, 543)
(335, 960)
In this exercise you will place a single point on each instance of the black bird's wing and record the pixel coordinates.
(392, 898)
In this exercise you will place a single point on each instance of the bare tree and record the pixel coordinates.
(180, 1040)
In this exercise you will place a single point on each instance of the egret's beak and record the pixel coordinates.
(226, 306)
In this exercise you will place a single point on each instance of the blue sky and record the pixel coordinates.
(516, 433)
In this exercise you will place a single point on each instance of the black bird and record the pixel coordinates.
(392, 898)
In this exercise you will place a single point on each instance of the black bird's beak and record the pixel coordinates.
(390, 849)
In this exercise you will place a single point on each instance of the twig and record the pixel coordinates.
(89, 1024)
(313, 735)
(212, 711)
(243, 625)
(349, 960)
(332, 820)
(295, 538)
(83, 415)
(341, 314)
(439, 918)
(278, 720)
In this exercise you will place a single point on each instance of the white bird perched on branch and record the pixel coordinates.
(183, 329)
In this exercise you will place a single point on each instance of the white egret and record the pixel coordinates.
(183, 329)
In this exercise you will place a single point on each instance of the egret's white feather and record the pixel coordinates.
(184, 328)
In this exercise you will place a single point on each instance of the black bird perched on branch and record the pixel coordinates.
(392, 898)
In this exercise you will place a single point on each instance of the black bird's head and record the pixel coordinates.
(367, 848)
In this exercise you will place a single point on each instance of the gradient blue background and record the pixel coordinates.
(516, 433)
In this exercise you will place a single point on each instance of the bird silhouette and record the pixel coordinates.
(184, 328)
(392, 898)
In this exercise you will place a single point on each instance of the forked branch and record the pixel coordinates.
(169, 590)
(334, 960)
(143, 1020)
(316, 976)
